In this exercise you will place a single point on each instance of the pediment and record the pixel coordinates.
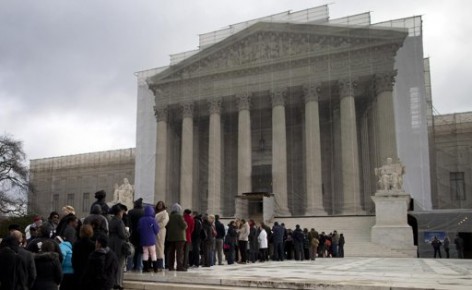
(265, 44)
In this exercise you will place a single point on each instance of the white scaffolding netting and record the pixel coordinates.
(410, 117)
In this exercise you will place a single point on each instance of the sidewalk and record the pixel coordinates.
(346, 273)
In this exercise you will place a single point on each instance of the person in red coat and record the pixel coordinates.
(188, 234)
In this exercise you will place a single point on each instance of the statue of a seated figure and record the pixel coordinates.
(390, 176)
(124, 194)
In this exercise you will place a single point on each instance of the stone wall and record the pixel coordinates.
(73, 180)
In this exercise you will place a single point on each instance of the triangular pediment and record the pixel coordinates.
(265, 44)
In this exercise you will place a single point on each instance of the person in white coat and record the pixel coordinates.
(263, 244)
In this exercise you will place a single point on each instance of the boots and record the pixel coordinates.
(160, 264)
(146, 266)
(155, 266)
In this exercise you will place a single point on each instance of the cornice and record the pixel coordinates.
(266, 44)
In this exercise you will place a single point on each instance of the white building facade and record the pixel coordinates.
(302, 109)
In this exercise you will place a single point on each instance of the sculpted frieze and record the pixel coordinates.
(263, 47)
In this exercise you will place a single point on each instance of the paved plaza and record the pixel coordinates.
(347, 273)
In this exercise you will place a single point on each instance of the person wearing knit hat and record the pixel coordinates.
(176, 208)
(101, 200)
(176, 238)
(37, 222)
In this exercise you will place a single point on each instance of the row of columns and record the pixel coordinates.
(314, 198)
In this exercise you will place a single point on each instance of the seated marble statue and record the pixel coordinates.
(124, 194)
(390, 175)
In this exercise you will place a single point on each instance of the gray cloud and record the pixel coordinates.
(66, 67)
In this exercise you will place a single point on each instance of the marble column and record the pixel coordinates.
(214, 158)
(279, 153)
(314, 195)
(186, 160)
(160, 184)
(244, 153)
(386, 134)
(349, 149)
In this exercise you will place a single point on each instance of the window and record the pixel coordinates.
(457, 185)
(86, 202)
(70, 199)
(55, 202)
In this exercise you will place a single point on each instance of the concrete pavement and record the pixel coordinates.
(327, 273)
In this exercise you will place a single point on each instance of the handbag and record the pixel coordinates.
(127, 249)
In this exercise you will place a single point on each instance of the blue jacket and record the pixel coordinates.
(148, 227)
(278, 234)
(66, 250)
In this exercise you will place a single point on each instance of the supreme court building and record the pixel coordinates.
(297, 106)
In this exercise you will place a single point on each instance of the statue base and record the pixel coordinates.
(391, 228)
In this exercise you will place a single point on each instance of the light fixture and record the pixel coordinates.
(261, 143)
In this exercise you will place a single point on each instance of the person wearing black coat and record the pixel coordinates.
(12, 268)
(135, 263)
(231, 239)
(81, 251)
(220, 236)
(28, 259)
(48, 268)
(101, 201)
(118, 236)
(298, 239)
(102, 267)
(43, 235)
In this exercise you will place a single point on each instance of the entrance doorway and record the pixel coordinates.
(262, 178)
(467, 237)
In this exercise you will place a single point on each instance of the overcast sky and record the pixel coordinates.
(66, 67)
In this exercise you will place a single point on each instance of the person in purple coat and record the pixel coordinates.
(148, 229)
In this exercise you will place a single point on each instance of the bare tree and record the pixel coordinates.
(14, 185)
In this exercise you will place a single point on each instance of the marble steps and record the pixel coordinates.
(369, 249)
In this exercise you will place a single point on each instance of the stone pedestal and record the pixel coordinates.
(391, 228)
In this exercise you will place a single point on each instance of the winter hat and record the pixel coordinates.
(176, 208)
(100, 194)
(138, 202)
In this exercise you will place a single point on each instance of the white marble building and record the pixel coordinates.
(296, 104)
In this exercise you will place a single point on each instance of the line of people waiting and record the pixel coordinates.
(93, 252)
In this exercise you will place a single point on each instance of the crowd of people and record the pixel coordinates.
(93, 252)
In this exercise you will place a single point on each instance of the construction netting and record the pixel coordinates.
(332, 198)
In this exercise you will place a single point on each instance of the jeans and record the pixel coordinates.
(195, 254)
(135, 263)
(279, 251)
